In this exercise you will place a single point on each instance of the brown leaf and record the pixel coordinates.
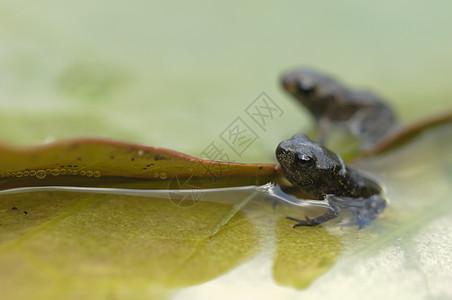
(97, 162)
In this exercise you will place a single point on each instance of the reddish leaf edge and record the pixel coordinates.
(187, 165)
(406, 133)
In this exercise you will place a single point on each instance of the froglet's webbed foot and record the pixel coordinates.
(332, 213)
(306, 222)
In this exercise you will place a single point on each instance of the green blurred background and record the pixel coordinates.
(176, 74)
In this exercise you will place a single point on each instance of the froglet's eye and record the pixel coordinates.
(305, 161)
(305, 86)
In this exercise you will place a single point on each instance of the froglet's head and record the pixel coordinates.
(308, 164)
(300, 82)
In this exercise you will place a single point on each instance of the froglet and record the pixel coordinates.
(363, 113)
(322, 174)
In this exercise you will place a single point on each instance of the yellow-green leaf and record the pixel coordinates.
(94, 244)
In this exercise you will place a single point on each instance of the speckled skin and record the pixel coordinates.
(322, 173)
(361, 112)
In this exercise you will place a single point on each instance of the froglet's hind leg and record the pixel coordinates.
(332, 213)
(365, 209)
